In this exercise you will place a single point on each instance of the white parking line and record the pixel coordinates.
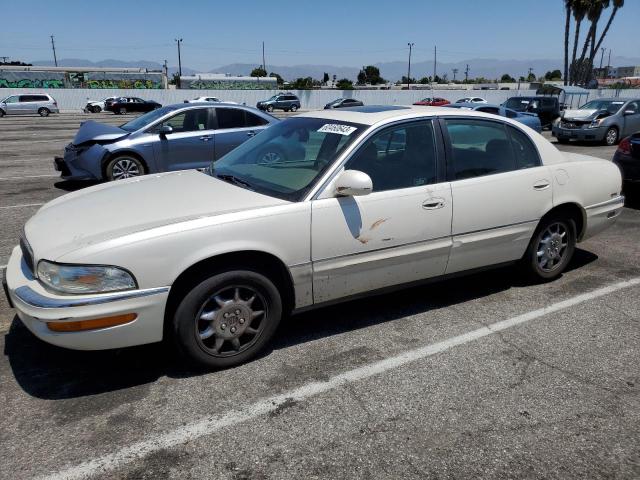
(29, 176)
(209, 425)
(24, 205)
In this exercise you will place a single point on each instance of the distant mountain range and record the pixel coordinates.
(478, 67)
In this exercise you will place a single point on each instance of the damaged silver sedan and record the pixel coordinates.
(175, 137)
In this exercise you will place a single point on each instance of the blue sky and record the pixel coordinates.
(342, 33)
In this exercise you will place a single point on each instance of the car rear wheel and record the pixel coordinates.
(124, 166)
(551, 248)
(269, 108)
(122, 111)
(294, 108)
(227, 319)
(96, 109)
(611, 137)
(43, 112)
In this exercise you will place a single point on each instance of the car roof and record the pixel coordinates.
(374, 114)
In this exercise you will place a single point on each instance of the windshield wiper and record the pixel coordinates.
(235, 180)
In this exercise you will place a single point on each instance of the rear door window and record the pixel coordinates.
(230, 118)
(526, 154)
(253, 120)
(479, 148)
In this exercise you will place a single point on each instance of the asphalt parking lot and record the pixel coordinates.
(485, 376)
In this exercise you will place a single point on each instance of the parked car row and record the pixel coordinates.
(205, 259)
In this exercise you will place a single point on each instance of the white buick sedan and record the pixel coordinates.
(350, 203)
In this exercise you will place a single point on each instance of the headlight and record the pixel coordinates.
(595, 123)
(80, 279)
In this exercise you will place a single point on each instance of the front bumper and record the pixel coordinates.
(83, 164)
(585, 134)
(601, 216)
(36, 306)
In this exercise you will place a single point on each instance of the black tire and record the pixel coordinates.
(563, 141)
(2, 114)
(43, 112)
(96, 109)
(269, 108)
(294, 108)
(122, 111)
(532, 261)
(122, 167)
(611, 137)
(210, 299)
(286, 109)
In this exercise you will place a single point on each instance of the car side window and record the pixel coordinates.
(526, 154)
(26, 98)
(635, 106)
(510, 113)
(13, 99)
(230, 118)
(479, 148)
(189, 121)
(253, 120)
(398, 157)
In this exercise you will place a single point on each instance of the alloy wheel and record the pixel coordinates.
(231, 320)
(552, 247)
(125, 168)
(612, 136)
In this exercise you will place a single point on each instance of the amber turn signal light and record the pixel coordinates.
(93, 324)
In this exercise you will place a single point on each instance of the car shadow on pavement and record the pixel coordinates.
(49, 372)
(632, 197)
(73, 185)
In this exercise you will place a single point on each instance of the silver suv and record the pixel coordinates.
(283, 101)
(28, 104)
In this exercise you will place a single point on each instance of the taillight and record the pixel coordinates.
(625, 146)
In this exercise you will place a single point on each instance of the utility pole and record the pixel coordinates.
(609, 61)
(466, 74)
(602, 49)
(435, 56)
(4, 59)
(264, 66)
(409, 69)
(530, 71)
(179, 41)
(455, 71)
(53, 45)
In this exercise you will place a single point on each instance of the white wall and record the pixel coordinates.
(74, 100)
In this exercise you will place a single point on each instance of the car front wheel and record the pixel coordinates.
(96, 109)
(269, 108)
(551, 248)
(227, 319)
(1, 113)
(611, 137)
(122, 167)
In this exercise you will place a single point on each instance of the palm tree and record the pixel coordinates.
(594, 12)
(568, 5)
(580, 8)
(617, 5)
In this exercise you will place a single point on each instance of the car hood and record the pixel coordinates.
(583, 114)
(104, 212)
(91, 131)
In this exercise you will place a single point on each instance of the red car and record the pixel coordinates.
(433, 102)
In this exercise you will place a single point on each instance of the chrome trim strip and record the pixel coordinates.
(34, 299)
(613, 201)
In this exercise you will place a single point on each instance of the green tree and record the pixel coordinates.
(506, 78)
(278, 78)
(404, 80)
(553, 75)
(424, 80)
(303, 83)
(531, 77)
(258, 72)
(344, 84)
(371, 75)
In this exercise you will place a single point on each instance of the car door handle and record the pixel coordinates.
(251, 134)
(205, 138)
(433, 203)
(541, 185)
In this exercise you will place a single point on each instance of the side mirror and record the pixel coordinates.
(353, 183)
(165, 130)
(630, 112)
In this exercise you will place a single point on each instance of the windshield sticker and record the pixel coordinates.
(617, 103)
(337, 128)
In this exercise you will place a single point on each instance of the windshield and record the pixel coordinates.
(144, 120)
(285, 160)
(611, 106)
